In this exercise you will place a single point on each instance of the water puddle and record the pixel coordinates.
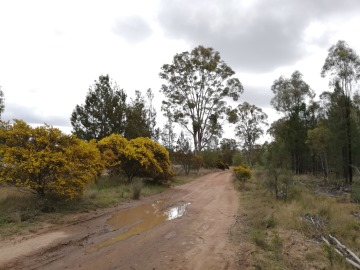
(140, 219)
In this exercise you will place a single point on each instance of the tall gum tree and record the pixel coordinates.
(343, 66)
(291, 96)
(198, 82)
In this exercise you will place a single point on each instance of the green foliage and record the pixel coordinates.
(242, 173)
(45, 160)
(210, 158)
(198, 82)
(238, 159)
(103, 112)
(228, 149)
(141, 118)
(343, 65)
(249, 121)
(291, 97)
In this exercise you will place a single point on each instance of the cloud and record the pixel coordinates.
(258, 96)
(32, 116)
(256, 36)
(133, 29)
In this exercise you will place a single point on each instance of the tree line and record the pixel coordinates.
(112, 132)
(319, 136)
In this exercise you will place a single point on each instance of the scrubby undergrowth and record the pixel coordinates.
(280, 234)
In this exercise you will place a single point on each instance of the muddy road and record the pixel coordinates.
(186, 227)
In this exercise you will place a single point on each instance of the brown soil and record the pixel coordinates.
(139, 234)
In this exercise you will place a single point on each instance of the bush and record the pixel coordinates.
(242, 173)
(47, 161)
(222, 166)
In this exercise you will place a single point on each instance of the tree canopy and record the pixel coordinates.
(198, 82)
(343, 66)
(249, 121)
(103, 113)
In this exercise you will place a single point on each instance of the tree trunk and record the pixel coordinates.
(349, 144)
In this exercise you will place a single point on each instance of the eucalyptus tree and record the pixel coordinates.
(291, 97)
(103, 113)
(197, 84)
(250, 121)
(343, 66)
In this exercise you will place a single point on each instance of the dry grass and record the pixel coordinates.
(22, 212)
(274, 234)
(181, 178)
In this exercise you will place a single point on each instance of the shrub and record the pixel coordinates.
(47, 161)
(242, 173)
(140, 157)
(222, 166)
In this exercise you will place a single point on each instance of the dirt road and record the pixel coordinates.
(183, 228)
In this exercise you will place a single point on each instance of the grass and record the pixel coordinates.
(277, 235)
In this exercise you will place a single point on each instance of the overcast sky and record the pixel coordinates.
(52, 51)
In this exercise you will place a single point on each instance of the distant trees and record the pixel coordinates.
(183, 154)
(45, 160)
(198, 82)
(343, 66)
(106, 112)
(141, 118)
(2, 102)
(103, 113)
(168, 135)
(319, 136)
(249, 122)
(292, 97)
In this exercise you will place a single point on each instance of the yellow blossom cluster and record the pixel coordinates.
(45, 160)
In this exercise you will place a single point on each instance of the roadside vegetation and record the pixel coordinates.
(288, 231)
(23, 211)
(298, 191)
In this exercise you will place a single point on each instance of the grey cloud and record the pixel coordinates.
(133, 29)
(30, 116)
(258, 96)
(261, 38)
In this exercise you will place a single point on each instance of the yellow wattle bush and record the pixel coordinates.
(242, 173)
(47, 161)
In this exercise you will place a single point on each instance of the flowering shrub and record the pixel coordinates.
(45, 160)
(140, 157)
(242, 173)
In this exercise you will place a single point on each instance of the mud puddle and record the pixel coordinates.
(140, 219)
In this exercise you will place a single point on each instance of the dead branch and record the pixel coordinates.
(333, 242)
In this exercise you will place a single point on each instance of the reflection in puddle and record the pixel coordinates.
(176, 211)
(140, 219)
